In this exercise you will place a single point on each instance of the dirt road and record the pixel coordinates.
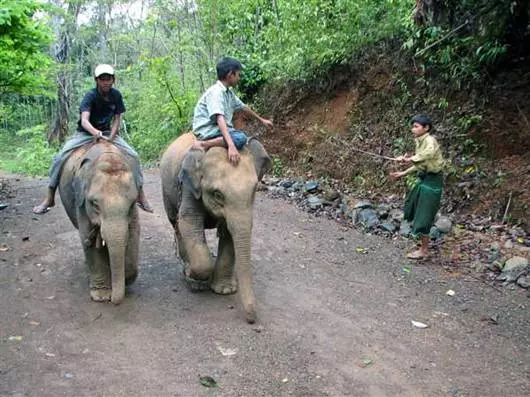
(333, 321)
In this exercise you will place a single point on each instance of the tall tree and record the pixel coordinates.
(24, 38)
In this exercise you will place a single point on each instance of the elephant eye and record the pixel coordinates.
(94, 204)
(218, 196)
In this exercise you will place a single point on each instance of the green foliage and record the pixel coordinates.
(277, 167)
(26, 152)
(463, 47)
(24, 38)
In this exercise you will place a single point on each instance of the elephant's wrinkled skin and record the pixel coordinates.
(203, 190)
(98, 191)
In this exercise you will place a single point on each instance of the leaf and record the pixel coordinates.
(4, 247)
(208, 381)
(417, 324)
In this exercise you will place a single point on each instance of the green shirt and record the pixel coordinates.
(428, 156)
(217, 99)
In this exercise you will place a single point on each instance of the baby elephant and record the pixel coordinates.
(203, 190)
(98, 191)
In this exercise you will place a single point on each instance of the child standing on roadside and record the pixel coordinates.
(423, 201)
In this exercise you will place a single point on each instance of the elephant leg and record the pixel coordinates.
(224, 279)
(179, 245)
(199, 267)
(100, 279)
(133, 249)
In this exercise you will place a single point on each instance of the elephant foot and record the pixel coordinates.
(250, 314)
(100, 294)
(224, 286)
(195, 284)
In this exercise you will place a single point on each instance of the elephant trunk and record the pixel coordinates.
(241, 236)
(116, 233)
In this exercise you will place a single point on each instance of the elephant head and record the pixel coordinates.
(214, 189)
(105, 196)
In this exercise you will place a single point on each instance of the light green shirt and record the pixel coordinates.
(217, 99)
(428, 156)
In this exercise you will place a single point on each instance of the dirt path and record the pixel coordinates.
(323, 308)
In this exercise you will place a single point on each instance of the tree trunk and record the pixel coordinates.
(59, 130)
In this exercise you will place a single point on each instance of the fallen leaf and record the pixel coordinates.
(4, 248)
(226, 351)
(208, 381)
(417, 324)
(285, 380)
(50, 355)
(450, 292)
(34, 323)
(365, 362)
(361, 250)
(51, 297)
(18, 338)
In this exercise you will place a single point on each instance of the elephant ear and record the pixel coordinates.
(262, 161)
(79, 183)
(190, 171)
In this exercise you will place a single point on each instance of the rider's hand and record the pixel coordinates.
(233, 154)
(267, 123)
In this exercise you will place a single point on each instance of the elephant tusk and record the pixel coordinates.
(102, 242)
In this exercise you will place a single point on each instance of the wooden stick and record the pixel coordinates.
(349, 147)
(504, 218)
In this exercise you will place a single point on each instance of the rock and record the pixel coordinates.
(495, 246)
(514, 264)
(361, 204)
(396, 215)
(3, 206)
(508, 244)
(404, 228)
(389, 227)
(368, 218)
(435, 233)
(524, 281)
(383, 210)
(311, 186)
(496, 266)
(315, 202)
(513, 269)
(287, 184)
(444, 224)
(331, 195)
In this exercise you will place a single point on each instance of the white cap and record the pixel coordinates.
(103, 69)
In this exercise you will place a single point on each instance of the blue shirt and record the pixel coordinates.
(217, 99)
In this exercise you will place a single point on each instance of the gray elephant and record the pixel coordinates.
(98, 191)
(203, 190)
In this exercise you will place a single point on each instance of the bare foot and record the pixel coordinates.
(418, 254)
(43, 207)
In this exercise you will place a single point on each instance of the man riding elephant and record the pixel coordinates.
(101, 112)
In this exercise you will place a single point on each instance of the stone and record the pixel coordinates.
(361, 204)
(524, 281)
(315, 202)
(444, 224)
(404, 228)
(383, 210)
(331, 195)
(515, 264)
(287, 184)
(435, 233)
(389, 227)
(396, 215)
(508, 244)
(368, 218)
(311, 186)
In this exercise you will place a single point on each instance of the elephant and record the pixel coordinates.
(203, 190)
(98, 191)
